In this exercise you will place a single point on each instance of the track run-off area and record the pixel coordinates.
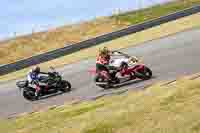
(168, 57)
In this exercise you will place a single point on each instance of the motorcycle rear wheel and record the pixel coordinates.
(107, 84)
(29, 95)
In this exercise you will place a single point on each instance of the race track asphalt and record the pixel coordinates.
(168, 57)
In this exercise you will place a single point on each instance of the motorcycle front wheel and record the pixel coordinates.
(146, 73)
(65, 86)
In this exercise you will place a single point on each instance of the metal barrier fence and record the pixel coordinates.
(5, 69)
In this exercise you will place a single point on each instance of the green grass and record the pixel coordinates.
(169, 109)
(134, 17)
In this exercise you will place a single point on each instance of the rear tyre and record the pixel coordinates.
(102, 80)
(106, 86)
(65, 86)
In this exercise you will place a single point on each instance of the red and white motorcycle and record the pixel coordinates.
(125, 67)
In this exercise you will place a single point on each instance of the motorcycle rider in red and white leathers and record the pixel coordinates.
(102, 61)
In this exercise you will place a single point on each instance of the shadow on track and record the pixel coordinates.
(53, 95)
(128, 83)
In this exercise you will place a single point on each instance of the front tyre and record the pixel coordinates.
(65, 86)
(147, 73)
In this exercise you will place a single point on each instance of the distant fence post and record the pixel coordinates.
(116, 13)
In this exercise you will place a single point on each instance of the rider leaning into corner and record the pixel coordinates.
(104, 62)
(33, 78)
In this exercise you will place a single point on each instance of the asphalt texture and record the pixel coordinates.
(169, 57)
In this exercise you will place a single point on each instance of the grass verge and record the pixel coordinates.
(36, 43)
(163, 30)
(170, 109)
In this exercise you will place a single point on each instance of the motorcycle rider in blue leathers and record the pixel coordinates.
(33, 79)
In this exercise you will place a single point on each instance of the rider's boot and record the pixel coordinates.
(37, 92)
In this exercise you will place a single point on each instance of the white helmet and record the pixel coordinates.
(36, 69)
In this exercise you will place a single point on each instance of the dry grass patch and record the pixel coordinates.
(169, 109)
(37, 43)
